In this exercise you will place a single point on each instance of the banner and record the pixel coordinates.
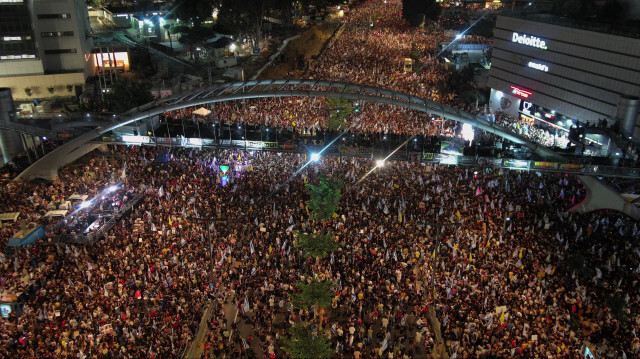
(571, 166)
(544, 164)
(428, 156)
(515, 163)
(486, 161)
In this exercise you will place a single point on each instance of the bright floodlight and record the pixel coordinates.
(315, 157)
(380, 163)
(112, 188)
(467, 132)
(85, 204)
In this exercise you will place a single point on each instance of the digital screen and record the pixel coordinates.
(5, 310)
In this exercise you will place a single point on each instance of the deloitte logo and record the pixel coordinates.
(529, 41)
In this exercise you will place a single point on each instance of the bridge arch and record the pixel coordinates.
(48, 165)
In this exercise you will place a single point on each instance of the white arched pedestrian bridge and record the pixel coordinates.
(47, 167)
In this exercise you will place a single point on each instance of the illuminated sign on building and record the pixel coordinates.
(520, 92)
(529, 40)
(537, 66)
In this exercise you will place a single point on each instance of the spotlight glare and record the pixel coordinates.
(112, 188)
(380, 163)
(315, 157)
(85, 204)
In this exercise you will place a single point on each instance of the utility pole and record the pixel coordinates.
(209, 221)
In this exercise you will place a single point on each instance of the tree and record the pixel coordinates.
(339, 111)
(194, 10)
(417, 11)
(314, 293)
(325, 199)
(306, 343)
(316, 245)
(192, 37)
(125, 95)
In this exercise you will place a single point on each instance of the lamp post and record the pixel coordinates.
(208, 221)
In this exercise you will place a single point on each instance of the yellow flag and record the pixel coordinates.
(307, 209)
(470, 258)
(251, 168)
(502, 317)
(396, 186)
(400, 217)
(170, 223)
(520, 255)
(458, 214)
(434, 253)
(239, 158)
(270, 249)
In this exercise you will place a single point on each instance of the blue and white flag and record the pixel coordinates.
(245, 305)
(251, 247)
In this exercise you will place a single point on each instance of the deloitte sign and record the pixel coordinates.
(529, 40)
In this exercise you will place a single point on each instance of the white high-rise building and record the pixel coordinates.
(45, 47)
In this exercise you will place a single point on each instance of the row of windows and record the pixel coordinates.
(15, 28)
(54, 16)
(16, 46)
(16, 38)
(60, 51)
(56, 34)
(17, 57)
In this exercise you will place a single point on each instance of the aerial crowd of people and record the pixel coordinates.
(481, 262)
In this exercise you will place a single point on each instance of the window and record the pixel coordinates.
(54, 16)
(60, 51)
(17, 57)
(57, 34)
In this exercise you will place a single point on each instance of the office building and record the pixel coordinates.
(45, 47)
(556, 71)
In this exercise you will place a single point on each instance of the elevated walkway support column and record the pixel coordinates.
(601, 196)
(10, 141)
(47, 166)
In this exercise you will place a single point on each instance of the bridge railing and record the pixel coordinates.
(406, 154)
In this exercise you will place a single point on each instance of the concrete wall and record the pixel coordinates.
(39, 84)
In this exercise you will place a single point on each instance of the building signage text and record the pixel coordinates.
(520, 92)
(537, 66)
(529, 40)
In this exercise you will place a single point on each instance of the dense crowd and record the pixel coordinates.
(520, 277)
(371, 50)
(503, 288)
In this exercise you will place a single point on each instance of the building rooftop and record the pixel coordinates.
(632, 30)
